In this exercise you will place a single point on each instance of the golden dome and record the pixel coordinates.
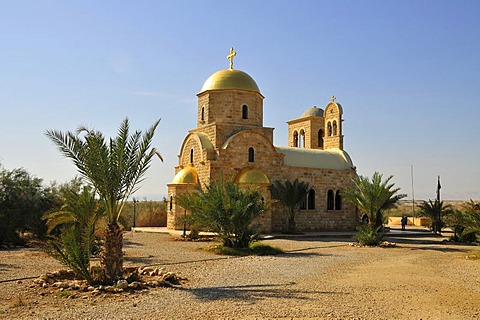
(230, 79)
(252, 176)
(187, 175)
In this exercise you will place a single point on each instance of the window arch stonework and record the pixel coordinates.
(330, 200)
(311, 200)
(338, 200)
(244, 111)
(320, 138)
(301, 139)
(251, 154)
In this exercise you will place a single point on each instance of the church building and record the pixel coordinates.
(231, 141)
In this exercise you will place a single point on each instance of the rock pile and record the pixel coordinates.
(135, 278)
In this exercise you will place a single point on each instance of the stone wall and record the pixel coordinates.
(225, 106)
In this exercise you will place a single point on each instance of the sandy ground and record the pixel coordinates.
(318, 278)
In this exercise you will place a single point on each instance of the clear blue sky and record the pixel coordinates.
(406, 72)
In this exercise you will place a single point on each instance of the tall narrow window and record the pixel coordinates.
(334, 128)
(295, 139)
(330, 200)
(171, 203)
(338, 200)
(191, 155)
(203, 113)
(251, 154)
(311, 200)
(301, 140)
(320, 138)
(329, 128)
(244, 111)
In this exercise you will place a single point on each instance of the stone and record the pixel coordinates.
(122, 284)
(145, 270)
(44, 285)
(61, 284)
(171, 278)
(134, 285)
(90, 288)
(109, 289)
(43, 277)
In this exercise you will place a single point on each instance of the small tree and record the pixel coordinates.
(435, 210)
(113, 167)
(465, 222)
(23, 201)
(75, 222)
(290, 195)
(227, 209)
(373, 197)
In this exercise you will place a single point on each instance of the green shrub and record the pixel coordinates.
(255, 249)
(368, 235)
(227, 209)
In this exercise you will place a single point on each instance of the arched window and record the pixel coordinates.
(338, 200)
(203, 114)
(301, 140)
(295, 139)
(191, 155)
(329, 129)
(330, 200)
(171, 203)
(251, 155)
(320, 138)
(244, 111)
(334, 128)
(311, 200)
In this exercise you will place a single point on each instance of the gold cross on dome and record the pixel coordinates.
(333, 98)
(230, 57)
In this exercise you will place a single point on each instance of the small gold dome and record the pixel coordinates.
(252, 176)
(230, 79)
(187, 175)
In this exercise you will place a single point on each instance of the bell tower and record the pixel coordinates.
(333, 125)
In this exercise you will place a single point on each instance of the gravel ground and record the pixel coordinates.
(317, 278)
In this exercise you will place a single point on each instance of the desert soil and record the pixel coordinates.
(323, 278)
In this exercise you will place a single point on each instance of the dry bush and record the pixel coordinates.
(148, 213)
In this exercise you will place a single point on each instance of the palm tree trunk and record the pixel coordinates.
(291, 222)
(112, 254)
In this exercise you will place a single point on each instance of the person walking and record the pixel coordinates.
(404, 222)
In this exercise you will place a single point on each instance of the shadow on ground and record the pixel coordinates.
(254, 292)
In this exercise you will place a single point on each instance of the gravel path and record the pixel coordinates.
(321, 279)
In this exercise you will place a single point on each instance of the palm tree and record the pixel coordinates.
(290, 195)
(373, 197)
(114, 168)
(76, 221)
(227, 209)
(472, 211)
(435, 210)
